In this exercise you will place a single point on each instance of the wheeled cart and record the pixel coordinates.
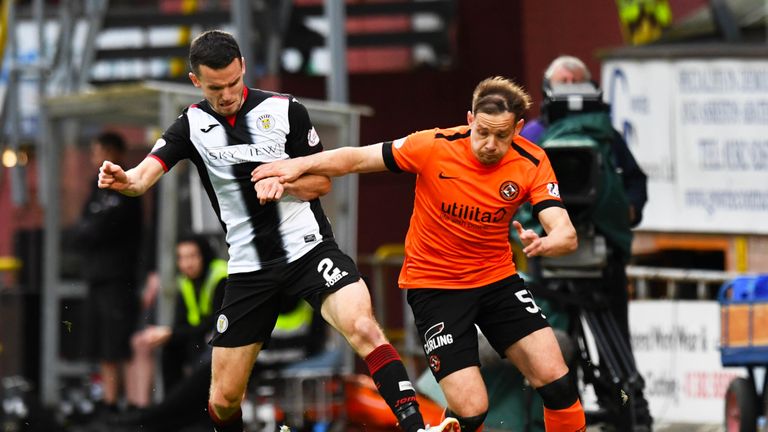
(744, 342)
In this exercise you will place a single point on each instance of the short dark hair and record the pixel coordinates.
(213, 48)
(203, 245)
(111, 141)
(497, 95)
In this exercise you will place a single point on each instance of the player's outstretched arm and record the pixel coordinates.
(560, 239)
(306, 188)
(332, 163)
(133, 182)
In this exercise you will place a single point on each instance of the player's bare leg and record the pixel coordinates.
(539, 359)
(349, 311)
(230, 371)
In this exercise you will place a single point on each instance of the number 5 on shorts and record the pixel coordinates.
(525, 297)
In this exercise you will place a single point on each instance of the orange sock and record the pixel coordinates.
(570, 419)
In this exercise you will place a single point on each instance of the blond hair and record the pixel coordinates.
(497, 95)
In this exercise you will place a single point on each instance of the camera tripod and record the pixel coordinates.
(602, 357)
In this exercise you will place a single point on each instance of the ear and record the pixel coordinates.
(519, 126)
(242, 64)
(470, 118)
(195, 81)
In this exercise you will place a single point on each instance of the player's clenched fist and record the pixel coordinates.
(112, 176)
(269, 189)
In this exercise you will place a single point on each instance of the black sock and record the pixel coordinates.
(468, 424)
(232, 424)
(392, 381)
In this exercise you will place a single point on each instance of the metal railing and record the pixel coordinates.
(675, 279)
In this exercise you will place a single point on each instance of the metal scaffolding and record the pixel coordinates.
(157, 104)
(67, 104)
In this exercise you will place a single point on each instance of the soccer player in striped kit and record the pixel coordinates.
(276, 246)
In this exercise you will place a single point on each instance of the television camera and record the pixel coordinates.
(574, 282)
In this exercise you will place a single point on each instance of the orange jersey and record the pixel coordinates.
(459, 230)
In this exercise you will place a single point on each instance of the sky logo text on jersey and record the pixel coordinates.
(240, 153)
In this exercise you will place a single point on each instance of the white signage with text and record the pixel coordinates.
(676, 347)
(699, 129)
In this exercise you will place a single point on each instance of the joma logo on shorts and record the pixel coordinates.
(436, 340)
(335, 278)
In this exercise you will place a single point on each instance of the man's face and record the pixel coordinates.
(562, 75)
(222, 88)
(99, 154)
(189, 259)
(492, 135)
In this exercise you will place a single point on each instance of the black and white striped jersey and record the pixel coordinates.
(268, 127)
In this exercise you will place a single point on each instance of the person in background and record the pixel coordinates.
(108, 237)
(614, 221)
(141, 367)
(200, 285)
(202, 278)
(571, 70)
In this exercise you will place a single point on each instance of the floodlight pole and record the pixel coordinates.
(336, 85)
(242, 20)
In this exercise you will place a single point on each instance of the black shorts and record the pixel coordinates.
(111, 310)
(446, 318)
(252, 301)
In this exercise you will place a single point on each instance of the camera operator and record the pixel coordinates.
(619, 204)
(571, 70)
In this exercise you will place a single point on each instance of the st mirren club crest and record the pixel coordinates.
(509, 190)
(222, 323)
(434, 363)
(265, 122)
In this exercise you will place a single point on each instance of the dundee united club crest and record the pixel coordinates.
(434, 363)
(509, 190)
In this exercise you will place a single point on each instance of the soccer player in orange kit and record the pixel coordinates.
(458, 267)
